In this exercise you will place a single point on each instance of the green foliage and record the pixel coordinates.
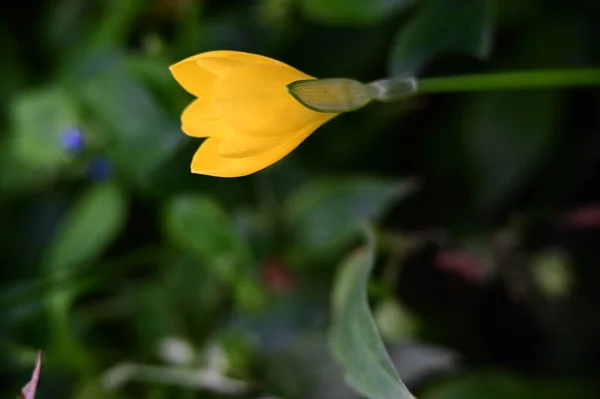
(509, 135)
(134, 121)
(442, 26)
(138, 279)
(198, 225)
(354, 336)
(352, 12)
(320, 214)
(500, 385)
(39, 118)
(91, 226)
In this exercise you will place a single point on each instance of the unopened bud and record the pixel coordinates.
(332, 95)
(345, 95)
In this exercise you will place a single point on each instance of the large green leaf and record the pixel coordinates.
(39, 118)
(442, 26)
(91, 226)
(352, 12)
(198, 225)
(354, 338)
(321, 214)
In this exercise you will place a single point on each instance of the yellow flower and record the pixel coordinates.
(244, 110)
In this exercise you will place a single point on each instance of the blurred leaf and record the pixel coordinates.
(153, 316)
(506, 137)
(76, 73)
(250, 295)
(354, 338)
(13, 71)
(352, 12)
(500, 385)
(442, 26)
(285, 319)
(39, 118)
(91, 226)
(417, 361)
(138, 125)
(28, 391)
(15, 176)
(257, 229)
(321, 214)
(305, 369)
(114, 23)
(196, 293)
(65, 25)
(199, 225)
(276, 12)
(152, 73)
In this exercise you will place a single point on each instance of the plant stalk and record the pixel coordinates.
(511, 81)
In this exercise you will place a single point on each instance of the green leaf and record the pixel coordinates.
(322, 213)
(352, 12)
(198, 225)
(506, 136)
(502, 385)
(65, 25)
(197, 294)
(39, 118)
(442, 26)
(136, 122)
(91, 226)
(153, 315)
(17, 176)
(354, 338)
(305, 369)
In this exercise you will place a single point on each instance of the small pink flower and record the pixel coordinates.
(582, 218)
(277, 277)
(461, 263)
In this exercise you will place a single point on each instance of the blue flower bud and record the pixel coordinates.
(72, 140)
(100, 169)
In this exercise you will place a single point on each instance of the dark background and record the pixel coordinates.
(119, 263)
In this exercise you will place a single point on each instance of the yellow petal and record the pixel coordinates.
(207, 160)
(237, 145)
(239, 56)
(254, 100)
(219, 66)
(198, 81)
(242, 146)
(193, 78)
(201, 119)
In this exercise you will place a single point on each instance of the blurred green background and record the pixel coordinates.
(138, 279)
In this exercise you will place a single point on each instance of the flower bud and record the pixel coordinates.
(332, 95)
(100, 169)
(72, 140)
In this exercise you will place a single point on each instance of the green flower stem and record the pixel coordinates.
(345, 95)
(511, 81)
(393, 89)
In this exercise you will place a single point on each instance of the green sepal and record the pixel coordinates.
(334, 95)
